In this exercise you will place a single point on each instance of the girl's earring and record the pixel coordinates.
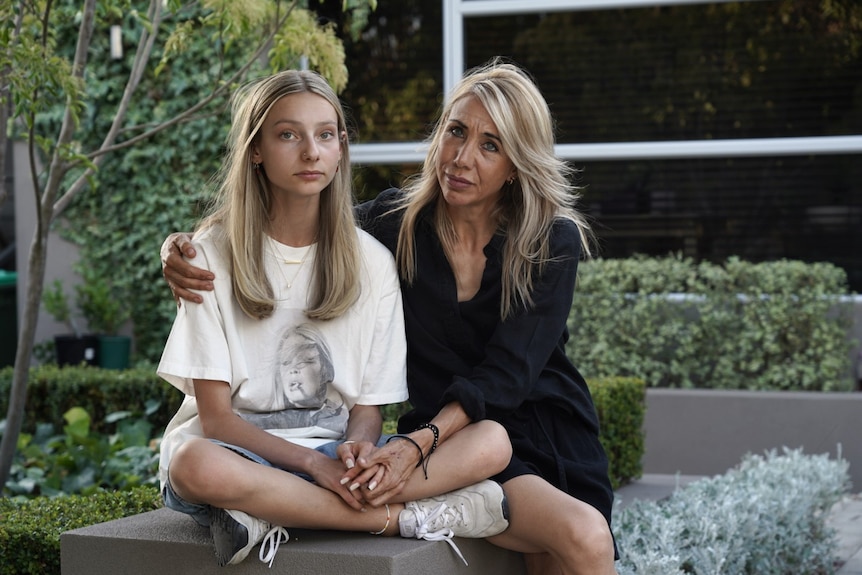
(256, 166)
(511, 180)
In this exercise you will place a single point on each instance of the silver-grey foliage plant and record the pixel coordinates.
(767, 516)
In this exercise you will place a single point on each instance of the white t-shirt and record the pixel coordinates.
(291, 376)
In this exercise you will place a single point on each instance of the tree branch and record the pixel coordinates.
(98, 156)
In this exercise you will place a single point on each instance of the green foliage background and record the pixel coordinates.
(156, 187)
(30, 531)
(161, 184)
(675, 323)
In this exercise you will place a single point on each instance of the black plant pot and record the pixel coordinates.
(73, 350)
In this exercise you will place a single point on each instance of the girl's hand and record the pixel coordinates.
(328, 473)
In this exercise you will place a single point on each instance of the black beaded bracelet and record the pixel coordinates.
(436, 433)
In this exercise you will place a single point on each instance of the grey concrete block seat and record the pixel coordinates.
(164, 542)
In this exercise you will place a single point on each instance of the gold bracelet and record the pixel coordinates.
(385, 527)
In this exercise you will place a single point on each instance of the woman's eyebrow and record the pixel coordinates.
(491, 135)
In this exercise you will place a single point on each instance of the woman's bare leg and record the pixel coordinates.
(476, 452)
(567, 536)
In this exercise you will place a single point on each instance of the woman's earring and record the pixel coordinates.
(256, 166)
(511, 180)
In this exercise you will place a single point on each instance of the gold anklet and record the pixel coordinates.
(385, 527)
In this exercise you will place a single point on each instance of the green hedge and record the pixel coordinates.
(621, 404)
(30, 531)
(673, 323)
(52, 391)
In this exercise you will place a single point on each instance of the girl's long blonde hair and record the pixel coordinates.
(528, 207)
(241, 214)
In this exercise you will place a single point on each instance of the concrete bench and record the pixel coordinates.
(165, 542)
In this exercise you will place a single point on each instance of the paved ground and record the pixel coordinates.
(846, 516)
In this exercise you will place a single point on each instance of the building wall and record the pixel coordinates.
(62, 255)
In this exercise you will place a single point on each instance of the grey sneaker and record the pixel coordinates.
(475, 511)
(235, 533)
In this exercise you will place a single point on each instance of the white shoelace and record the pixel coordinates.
(269, 546)
(444, 534)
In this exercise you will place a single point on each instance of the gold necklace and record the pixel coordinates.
(283, 261)
(299, 269)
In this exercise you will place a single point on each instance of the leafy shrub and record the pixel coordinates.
(391, 413)
(767, 516)
(80, 461)
(620, 405)
(30, 531)
(673, 323)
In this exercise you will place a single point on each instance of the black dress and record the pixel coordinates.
(515, 372)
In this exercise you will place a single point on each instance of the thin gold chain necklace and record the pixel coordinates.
(282, 262)
(289, 283)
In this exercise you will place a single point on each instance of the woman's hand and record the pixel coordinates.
(180, 275)
(395, 463)
(356, 476)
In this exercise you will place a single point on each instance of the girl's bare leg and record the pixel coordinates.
(560, 534)
(204, 472)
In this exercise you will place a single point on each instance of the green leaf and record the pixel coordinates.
(78, 423)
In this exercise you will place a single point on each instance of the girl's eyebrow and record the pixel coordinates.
(324, 123)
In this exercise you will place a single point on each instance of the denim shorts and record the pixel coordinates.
(200, 512)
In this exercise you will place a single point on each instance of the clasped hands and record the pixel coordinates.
(370, 475)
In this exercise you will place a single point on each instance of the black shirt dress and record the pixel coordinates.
(515, 372)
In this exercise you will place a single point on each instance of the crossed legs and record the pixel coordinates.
(204, 472)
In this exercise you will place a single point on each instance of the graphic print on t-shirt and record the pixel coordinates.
(302, 391)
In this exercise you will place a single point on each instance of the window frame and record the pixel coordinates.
(454, 13)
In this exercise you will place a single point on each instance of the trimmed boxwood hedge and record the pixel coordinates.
(621, 406)
(674, 322)
(52, 391)
(30, 530)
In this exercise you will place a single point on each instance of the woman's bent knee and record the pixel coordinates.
(592, 538)
(497, 447)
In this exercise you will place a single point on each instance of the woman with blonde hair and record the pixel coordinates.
(487, 240)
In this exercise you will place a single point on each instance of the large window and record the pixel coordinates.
(712, 129)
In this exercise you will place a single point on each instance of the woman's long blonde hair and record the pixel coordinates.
(243, 202)
(528, 207)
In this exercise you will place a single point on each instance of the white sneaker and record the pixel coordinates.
(475, 511)
(235, 533)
